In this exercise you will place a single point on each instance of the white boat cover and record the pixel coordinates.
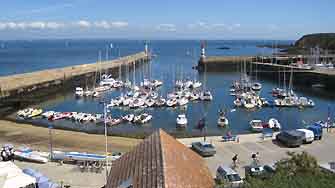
(12, 176)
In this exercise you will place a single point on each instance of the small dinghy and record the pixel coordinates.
(222, 121)
(256, 125)
(181, 120)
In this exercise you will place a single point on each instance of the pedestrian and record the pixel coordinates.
(235, 158)
(11, 154)
(4, 155)
(254, 156)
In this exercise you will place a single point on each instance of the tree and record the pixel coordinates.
(298, 170)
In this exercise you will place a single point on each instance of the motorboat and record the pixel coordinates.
(47, 114)
(107, 82)
(136, 103)
(274, 124)
(153, 95)
(182, 101)
(179, 84)
(113, 121)
(249, 103)
(196, 84)
(35, 112)
(256, 125)
(127, 84)
(88, 93)
(117, 84)
(128, 117)
(206, 96)
(188, 84)
(223, 120)
(238, 102)
(256, 86)
(27, 154)
(96, 94)
(25, 112)
(126, 101)
(194, 96)
(101, 88)
(79, 92)
(171, 102)
(150, 102)
(157, 83)
(181, 120)
(160, 102)
(143, 118)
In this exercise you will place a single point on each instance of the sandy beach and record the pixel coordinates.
(38, 138)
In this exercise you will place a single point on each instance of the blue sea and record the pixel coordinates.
(174, 60)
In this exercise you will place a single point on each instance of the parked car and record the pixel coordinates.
(205, 149)
(308, 136)
(226, 174)
(317, 130)
(292, 138)
(259, 171)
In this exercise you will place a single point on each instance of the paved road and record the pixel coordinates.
(68, 174)
(269, 150)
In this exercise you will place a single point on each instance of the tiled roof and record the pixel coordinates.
(163, 162)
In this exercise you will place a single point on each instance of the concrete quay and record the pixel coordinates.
(270, 151)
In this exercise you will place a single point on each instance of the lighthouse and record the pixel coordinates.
(202, 54)
(146, 48)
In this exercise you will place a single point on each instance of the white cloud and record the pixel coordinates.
(102, 24)
(83, 24)
(166, 27)
(37, 25)
(31, 25)
(119, 24)
(208, 26)
(237, 25)
(54, 25)
(108, 25)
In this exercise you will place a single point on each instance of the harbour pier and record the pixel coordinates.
(19, 89)
(266, 67)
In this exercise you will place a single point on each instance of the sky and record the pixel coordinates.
(165, 19)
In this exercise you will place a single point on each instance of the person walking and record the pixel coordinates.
(235, 158)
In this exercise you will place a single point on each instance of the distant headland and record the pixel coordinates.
(325, 41)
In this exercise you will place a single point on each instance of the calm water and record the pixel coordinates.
(174, 60)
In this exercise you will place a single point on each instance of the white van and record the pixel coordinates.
(309, 135)
(226, 174)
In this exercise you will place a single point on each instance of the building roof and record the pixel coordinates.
(160, 161)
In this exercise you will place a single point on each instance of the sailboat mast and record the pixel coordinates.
(100, 64)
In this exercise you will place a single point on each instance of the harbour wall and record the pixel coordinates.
(268, 70)
(19, 90)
